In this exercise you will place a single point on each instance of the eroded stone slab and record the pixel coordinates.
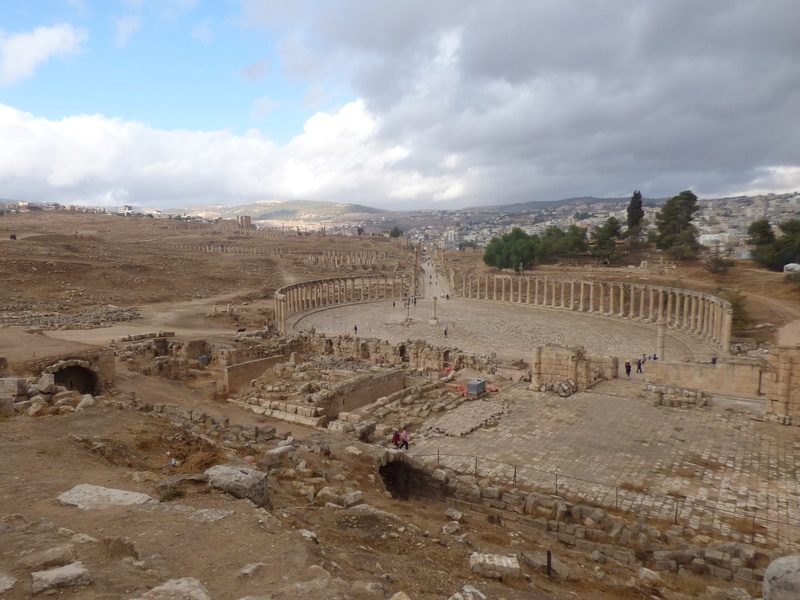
(494, 565)
(67, 576)
(94, 497)
(241, 482)
(187, 588)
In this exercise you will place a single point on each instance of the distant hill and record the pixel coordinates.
(291, 210)
(535, 205)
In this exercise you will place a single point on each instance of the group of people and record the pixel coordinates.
(400, 440)
(639, 364)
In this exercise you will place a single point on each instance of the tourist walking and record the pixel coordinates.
(639, 366)
(355, 329)
(404, 439)
(396, 439)
(628, 368)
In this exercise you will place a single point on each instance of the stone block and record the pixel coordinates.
(6, 407)
(494, 565)
(46, 383)
(70, 575)
(15, 386)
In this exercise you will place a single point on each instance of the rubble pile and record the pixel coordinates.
(93, 318)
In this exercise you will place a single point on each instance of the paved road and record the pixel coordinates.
(727, 465)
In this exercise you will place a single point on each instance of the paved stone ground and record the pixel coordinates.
(610, 446)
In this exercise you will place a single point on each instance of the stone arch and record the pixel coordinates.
(75, 375)
(405, 478)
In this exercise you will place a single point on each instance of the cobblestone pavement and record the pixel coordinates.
(719, 468)
(510, 330)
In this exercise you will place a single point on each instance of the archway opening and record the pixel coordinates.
(397, 479)
(79, 379)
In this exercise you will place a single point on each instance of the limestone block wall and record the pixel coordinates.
(417, 354)
(735, 377)
(355, 393)
(555, 364)
(583, 527)
(783, 387)
(703, 315)
(236, 377)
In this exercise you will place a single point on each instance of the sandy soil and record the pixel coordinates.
(67, 263)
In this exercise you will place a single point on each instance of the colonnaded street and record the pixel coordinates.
(720, 468)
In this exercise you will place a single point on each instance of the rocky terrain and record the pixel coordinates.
(158, 488)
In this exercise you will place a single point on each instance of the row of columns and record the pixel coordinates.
(307, 295)
(700, 314)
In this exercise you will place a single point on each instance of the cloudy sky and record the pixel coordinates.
(401, 104)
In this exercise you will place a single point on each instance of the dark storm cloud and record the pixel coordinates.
(548, 99)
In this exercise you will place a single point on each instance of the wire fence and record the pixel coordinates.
(754, 525)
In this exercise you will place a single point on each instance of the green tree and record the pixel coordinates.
(741, 318)
(780, 250)
(558, 243)
(513, 250)
(716, 265)
(760, 233)
(635, 210)
(675, 232)
(605, 239)
(395, 232)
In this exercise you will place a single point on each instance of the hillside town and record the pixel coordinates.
(721, 222)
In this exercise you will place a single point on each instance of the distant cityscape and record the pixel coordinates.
(721, 222)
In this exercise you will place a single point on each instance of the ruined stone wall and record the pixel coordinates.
(551, 365)
(355, 393)
(100, 362)
(737, 377)
(236, 377)
(783, 386)
(580, 526)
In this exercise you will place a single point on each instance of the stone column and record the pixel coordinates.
(591, 296)
(563, 294)
(528, 291)
(660, 340)
(651, 310)
(572, 295)
(727, 325)
(611, 299)
(536, 369)
(632, 311)
(660, 305)
(670, 314)
(686, 302)
(580, 302)
(553, 298)
(544, 298)
(536, 291)
(621, 299)
(495, 288)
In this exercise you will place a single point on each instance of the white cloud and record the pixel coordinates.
(22, 53)
(126, 27)
(94, 159)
